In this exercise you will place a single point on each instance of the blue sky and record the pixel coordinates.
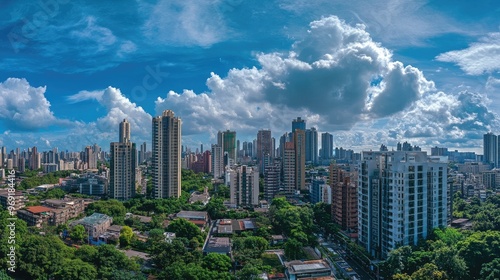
(369, 72)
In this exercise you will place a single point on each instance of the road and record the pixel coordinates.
(344, 262)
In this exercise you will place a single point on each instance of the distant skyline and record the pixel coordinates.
(368, 72)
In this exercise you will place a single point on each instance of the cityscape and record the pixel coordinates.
(235, 140)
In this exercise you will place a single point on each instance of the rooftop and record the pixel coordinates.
(195, 215)
(218, 244)
(38, 209)
(96, 218)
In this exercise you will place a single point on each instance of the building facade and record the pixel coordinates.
(123, 161)
(166, 155)
(312, 145)
(402, 196)
(244, 186)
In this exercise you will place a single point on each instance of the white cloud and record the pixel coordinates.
(184, 23)
(479, 58)
(118, 107)
(23, 106)
(101, 37)
(85, 95)
(327, 73)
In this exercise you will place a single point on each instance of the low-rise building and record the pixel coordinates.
(219, 245)
(203, 197)
(229, 227)
(35, 215)
(64, 209)
(95, 224)
(308, 270)
(199, 218)
(19, 199)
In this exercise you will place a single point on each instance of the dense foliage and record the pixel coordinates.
(451, 253)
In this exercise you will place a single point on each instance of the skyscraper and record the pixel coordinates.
(490, 149)
(272, 180)
(166, 155)
(326, 146)
(124, 134)
(122, 165)
(298, 123)
(217, 161)
(227, 140)
(264, 147)
(289, 168)
(299, 143)
(402, 196)
(312, 145)
(344, 198)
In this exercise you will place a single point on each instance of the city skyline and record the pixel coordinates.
(423, 73)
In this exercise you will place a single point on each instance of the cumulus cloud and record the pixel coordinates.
(328, 73)
(24, 107)
(480, 57)
(449, 118)
(118, 107)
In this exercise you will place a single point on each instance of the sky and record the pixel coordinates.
(369, 72)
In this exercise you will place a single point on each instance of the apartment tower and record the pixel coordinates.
(402, 196)
(122, 165)
(166, 155)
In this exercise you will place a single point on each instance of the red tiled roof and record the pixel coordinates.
(38, 209)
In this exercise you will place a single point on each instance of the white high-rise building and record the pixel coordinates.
(122, 165)
(243, 185)
(402, 195)
(217, 161)
(166, 155)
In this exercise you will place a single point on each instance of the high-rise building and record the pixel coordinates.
(142, 153)
(227, 140)
(264, 148)
(35, 159)
(299, 142)
(244, 186)
(326, 146)
(272, 180)
(166, 155)
(344, 198)
(124, 134)
(122, 181)
(298, 123)
(289, 169)
(490, 149)
(402, 196)
(318, 189)
(312, 145)
(217, 161)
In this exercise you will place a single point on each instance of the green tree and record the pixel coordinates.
(78, 233)
(5, 276)
(491, 270)
(479, 248)
(108, 260)
(42, 256)
(87, 253)
(293, 249)
(428, 272)
(184, 228)
(126, 236)
(76, 269)
(112, 207)
(164, 254)
(217, 262)
(181, 271)
(249, 272)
